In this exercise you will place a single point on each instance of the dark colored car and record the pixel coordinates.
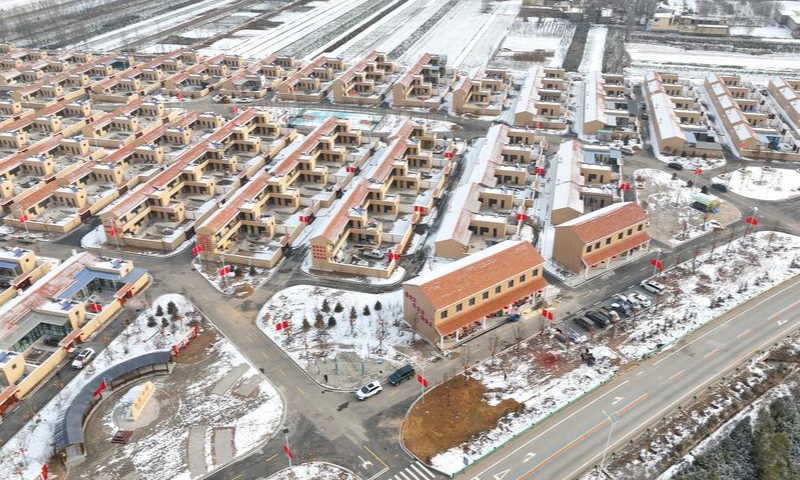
(720, 187)
(675, 165)
(401, 375)
(584, 323)
(598, 318)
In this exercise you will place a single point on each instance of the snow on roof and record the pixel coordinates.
(593, 104)
(490, 156)
(743, 132)
(718, 89)
(667, 122)
(777, 82)
(788, 93)
(528, 96)
(568, 181)
(455, 222)
(472, 274)
(795, 105)
(726, 102)
(734, 116)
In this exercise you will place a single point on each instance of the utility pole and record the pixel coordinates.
(613, 419)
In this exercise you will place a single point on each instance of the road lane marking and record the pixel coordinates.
(640, 372)
(616, 400)
(743, 333)
(711, 353)
(674, 377)
(631, 405)
(265, 355)
(781, 312)
(237, 477)
(548, 430)
(376, 456)
(299, 390)
(271, 458)
(528, 457)
(282, 372)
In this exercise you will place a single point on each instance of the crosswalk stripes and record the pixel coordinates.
(415, 471)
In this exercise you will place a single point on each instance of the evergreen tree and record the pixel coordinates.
(366, 311)
(159, 311)
(172, 309)
(378, 307)
(306, 325)
(151, 321)
(164, 322)
(319, 323)
(353, 314)
(326, 307)
(331, 321)
(338, 308)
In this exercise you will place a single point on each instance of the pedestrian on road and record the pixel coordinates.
(325, 377)
(505, 376)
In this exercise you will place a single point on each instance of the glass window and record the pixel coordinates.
(443, 314)
(608, 240)
(472, 301)
(619, 237)
(639, 228)
(521, 278)
(588, 249)
(497, 289)
(535, 272)
(510, 283)
(459, 307)
(485, 295)
(630, 231)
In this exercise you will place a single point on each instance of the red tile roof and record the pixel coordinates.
(339, 217)
(230, 210)
(408, 75)
(606, 221)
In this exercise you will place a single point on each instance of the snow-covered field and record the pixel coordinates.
(648, 57)
(594, 49)
(314, 471)
(777, 31)
(549, 35)
(36, 437)
(542, 396)
(763, 183)
(731, 275)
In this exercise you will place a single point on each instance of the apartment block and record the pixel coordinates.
(366, 232)
(606, 111)
(677, 117)
(136, 82)
(486, 208)
(542, 100)
(424, 84)
(753, 127)
(367, 82)
(666, 20)
(19, 269)
(460, 300)
(786, 92)
(48, 320)
(602, 239)
(484, 93)
(200, 79)
(65, 118)
(313, 82)
(259, 78)
(127, 123)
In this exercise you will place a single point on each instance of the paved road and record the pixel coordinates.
(570, 443)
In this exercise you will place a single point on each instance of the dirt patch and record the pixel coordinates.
(537, 56)
(198, 349)
(450, 415)
(243, 291)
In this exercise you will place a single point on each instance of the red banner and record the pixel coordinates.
(100, 389)
(288, 452)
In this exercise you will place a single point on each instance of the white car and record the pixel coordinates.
(375, 253)
(642, 299)
(83, 358)
(653, 287)
(368, 390)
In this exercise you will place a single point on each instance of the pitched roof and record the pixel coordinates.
(227, 212)
(605, 221)
(338, 218)
(475, 273)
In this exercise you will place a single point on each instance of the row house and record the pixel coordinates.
(667, 20)
(754, 129)
(424, 84)
(786, 92)
(313, 82)
(39, 69)
(460, 300)
(602, 239)
(19, 269)
(484, 93)
(160, 213)
(494, 201)
(677, 117)
(65, 117)
(542, 100)
(73, 302)
(142, 79)
(259, 78)
(10, 112)
(71, 84)
(127, 123)
(198, 80)
(606, 111)
(367, 82)
(587, 179)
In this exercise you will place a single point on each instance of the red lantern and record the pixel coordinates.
(197, 249)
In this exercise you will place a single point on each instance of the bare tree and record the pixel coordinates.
(494, 345)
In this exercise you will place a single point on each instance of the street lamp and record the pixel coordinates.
(613, 419)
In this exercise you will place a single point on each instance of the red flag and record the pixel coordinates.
(521, 217)
(224, 271)
(288, 452)
(44, 472)
(550, 316)
(752, 221)
(197, 250)
(279, 326)
(544, 313)
(698, 171)
(100, 389)
(235, 110)
(23, 218)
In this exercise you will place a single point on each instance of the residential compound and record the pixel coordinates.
(786, 93)
(542, 100)
(601, 239)
(483, 93)
(607, 112)
(311, 83)
(367, 82)
(680, 126)
(749, 121)
(44, 322)
(588, 178)
(458, 300)
(666, 20)
(369, 228)
(493, 203)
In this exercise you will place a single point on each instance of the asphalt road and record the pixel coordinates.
(573, 442)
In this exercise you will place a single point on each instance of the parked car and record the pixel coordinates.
(613, 315)
(584, 323)
(598, 319)
(675, 166)
(716, 225)
(624, 310)
(643, 299)
(368, 390)
(653, 287)
(83, 358)
(375, 253)
(402, 374)
(720, 187)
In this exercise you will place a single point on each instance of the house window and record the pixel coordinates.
(497, 289)
(521, 278)
(459, 307)
(510, 283)
(608, 241)
(588, 249)
(639, 228)
(443, 314)
(630, 231)
(485, 295)
(619, 237)
(597, 245)
(472, 301)
(534, 272)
